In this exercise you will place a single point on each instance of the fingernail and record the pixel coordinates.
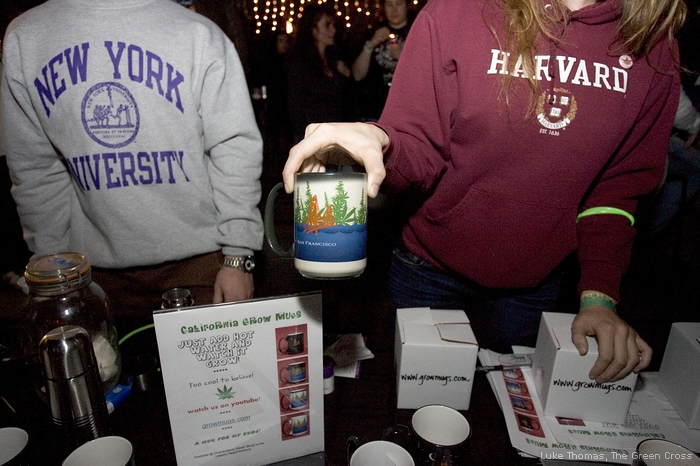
(373, 190)
(581, 350)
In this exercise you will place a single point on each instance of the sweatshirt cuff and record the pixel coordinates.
(235, 251)
(602, 277)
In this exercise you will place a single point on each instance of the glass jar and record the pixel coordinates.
(61, 292)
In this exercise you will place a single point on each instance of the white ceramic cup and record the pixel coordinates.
(381, 453)
(443, 434)
(103, 451)
(658, 452)
(13, 441)
(440, 425)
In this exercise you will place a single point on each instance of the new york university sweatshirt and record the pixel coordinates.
(130, 133)
(503, 190)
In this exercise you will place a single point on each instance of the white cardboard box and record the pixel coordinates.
(561, 376)
(435, 356)
(679, 374)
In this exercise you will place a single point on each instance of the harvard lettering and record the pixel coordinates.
(570, 70)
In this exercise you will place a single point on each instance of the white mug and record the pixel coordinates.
(13, 442)
(658, 452)
(380, 453)
(103, 451)
(442, 434)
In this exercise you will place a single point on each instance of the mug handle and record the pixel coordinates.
(289, 403)
(398, 432)
(354, 442)
(270, 224)
(287, 428)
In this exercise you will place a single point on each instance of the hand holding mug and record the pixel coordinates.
(362, 141)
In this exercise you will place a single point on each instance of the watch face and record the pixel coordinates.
(249, 264)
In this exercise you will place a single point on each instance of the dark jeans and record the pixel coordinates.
(136, 292)
(499, 317)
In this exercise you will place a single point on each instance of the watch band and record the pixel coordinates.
(242, 263)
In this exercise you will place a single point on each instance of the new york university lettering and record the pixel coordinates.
(152, 68)
(129, 63)
(122, 169)
(54, 84)
(569, 70)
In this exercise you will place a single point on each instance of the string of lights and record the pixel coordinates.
(276, 15)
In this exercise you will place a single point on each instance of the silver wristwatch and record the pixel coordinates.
(243, 263)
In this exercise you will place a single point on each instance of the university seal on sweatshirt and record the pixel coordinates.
(556, 109)
(110, 115)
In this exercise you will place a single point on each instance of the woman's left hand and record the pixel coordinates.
(620, 349)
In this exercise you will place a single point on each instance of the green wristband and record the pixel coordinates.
(367, 48)
(597, 301)
(605, 210)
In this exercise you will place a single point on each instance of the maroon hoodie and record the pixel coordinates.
(505, 188)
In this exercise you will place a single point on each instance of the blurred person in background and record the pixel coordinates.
(277, 129)
(227, 15)
(318, 81)
(374, 66)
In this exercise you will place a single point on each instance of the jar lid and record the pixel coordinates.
(57, 273)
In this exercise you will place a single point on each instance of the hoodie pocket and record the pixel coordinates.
(497, 240)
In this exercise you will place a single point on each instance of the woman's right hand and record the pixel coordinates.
(363, 142)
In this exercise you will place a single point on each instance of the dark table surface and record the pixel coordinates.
(363, 407)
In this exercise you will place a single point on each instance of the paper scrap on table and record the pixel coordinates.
(347, 352)
(550, 438)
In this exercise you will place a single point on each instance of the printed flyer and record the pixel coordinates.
(244, 381)
(548, 438)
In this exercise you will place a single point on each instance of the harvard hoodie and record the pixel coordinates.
(502, 187)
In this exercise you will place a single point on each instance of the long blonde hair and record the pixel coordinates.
(643, 24)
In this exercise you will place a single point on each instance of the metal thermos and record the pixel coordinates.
(73, 385)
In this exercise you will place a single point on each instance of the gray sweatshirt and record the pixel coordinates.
(130, 133)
